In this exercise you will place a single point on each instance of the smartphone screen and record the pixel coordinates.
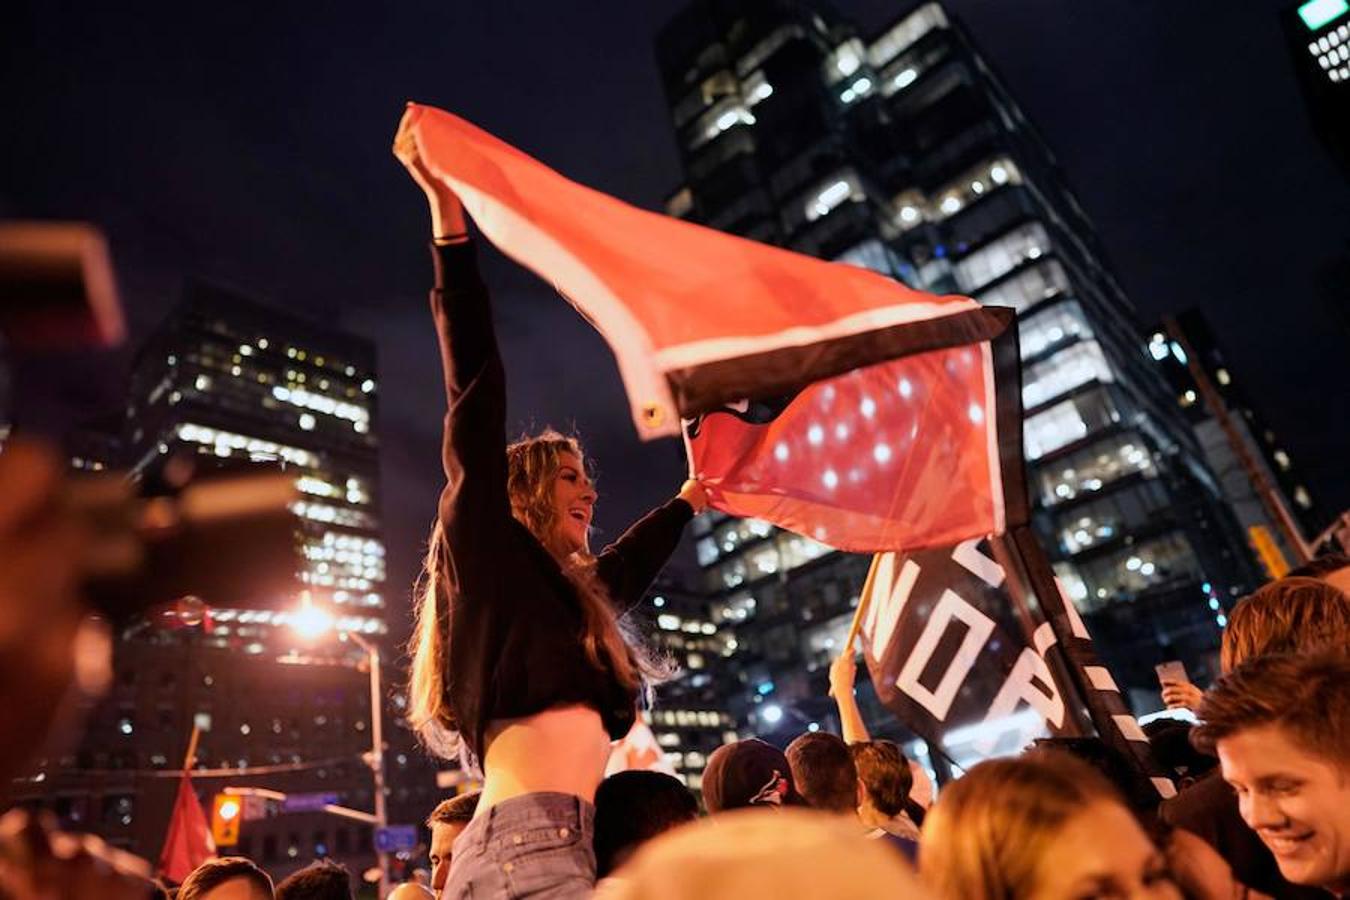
(1172, 670)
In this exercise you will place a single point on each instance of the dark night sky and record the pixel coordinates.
(248, 143)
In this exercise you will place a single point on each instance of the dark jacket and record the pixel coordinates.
(515, 620)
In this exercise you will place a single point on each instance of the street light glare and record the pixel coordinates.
(309, 621)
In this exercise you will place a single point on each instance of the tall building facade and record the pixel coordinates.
(905, 153)
(226, 379)
(1318, 36)
(1256, 437)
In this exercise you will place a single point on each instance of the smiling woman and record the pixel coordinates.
(521, 660)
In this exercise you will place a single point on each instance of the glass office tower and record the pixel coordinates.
(904, 152)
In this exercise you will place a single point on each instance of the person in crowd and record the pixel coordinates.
(39, 861)
(1334, 569)
(53, 657)
(52, 653)
(783, 854)
(1291, 615)
(520, 662)
(410, 891)
(226, 878)
(633, 807)
(322, 879)
(1280, 725)
(1280, 610)
(843, 675)
(747, 773)
(884, 781)
(823, 772)
(447, 822)
(1043, 825)
(1170, 740)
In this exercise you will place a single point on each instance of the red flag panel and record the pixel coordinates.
(901, 454)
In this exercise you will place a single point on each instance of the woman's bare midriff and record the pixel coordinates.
(563, 749)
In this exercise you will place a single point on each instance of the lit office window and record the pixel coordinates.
(996, 259)
(1072, 367)
(1061, 322)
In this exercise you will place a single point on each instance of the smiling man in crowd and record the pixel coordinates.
(1280, 726)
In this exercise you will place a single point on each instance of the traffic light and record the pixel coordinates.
(226, 812)
(1271, 558)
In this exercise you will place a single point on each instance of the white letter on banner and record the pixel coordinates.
(950, 606)
(1020, 686)
(979, 565)
(889, 595)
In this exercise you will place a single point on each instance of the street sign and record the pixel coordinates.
(307, 802)
(393, 838)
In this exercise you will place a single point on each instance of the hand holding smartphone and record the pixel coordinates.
(1177, 690)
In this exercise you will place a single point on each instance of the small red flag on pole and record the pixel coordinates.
(188, 843)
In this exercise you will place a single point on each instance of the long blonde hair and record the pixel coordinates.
(609, 644)
(987, 835)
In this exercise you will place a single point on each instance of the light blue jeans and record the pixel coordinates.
(536, 845)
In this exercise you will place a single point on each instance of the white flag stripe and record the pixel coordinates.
(1166, 788)
(1101, 679)
(1129, 727)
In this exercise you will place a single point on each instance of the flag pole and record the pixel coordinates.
(864, 601)
(192, 748)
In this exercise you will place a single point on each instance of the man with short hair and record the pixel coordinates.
(1280, 725)
(884, 782)
(447, 822)
(633, 807)
(320, 880)
(1291, 615)
(824, 773)
(227, 878)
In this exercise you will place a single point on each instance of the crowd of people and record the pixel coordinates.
(524, 668)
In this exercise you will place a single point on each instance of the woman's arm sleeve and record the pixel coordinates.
(474, 509)
(630, 565)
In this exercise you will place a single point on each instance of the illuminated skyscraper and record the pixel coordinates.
(225, 377)
(1318, 35)
(904, 152)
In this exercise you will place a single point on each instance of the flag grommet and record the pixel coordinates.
(653, 415)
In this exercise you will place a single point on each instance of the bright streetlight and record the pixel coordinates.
(311, 622)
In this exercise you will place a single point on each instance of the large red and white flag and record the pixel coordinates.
(822, 397)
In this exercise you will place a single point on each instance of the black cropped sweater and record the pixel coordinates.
(514, 619)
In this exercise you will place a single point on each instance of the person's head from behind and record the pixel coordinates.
(884, 779)
(747, 773)
(410, 891)
(227, 878)
(320, 880)
(1280, 725)
(1043, 825)
(823, 772)
(783, 854)
(1334, 569)
(634, 807)
(1290, 615)
(447, 822)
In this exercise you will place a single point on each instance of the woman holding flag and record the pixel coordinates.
(520, 663)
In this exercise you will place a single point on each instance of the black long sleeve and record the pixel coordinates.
(515, 619)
